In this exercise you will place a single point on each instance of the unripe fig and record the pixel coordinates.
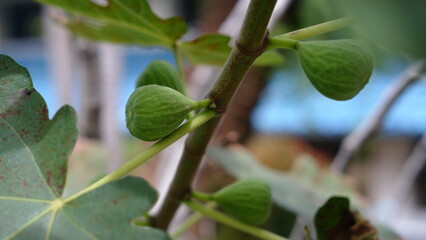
(153, 111)
(338, 69)
(247, 200)
(161, 73)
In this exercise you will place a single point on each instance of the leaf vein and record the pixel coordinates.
(31, 221)
(81, 228)
(5, 198)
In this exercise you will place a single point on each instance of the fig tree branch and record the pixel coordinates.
(250, 43)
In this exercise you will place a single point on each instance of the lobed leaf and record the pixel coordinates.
(33, 163)
(34, 142)
(121, 21)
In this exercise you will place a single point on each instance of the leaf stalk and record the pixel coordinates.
(141, 158)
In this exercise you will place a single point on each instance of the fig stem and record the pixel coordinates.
(250, 43)
(279, 42)
(290, 40)
(222, 218)
(205, 103)
(141, 158)
(316, 30)
(201, 196)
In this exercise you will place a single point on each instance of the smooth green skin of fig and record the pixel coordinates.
(249, 201)
(339, 69)
(153, 111)
(161, 73)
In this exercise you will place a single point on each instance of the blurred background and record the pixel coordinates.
(373, 143)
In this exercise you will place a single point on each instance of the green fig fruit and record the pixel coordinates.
(338, 69)
(153, 111)
(161, 73)
(249, 201)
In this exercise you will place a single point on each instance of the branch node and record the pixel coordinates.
(255, 53)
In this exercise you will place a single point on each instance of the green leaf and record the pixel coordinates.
(104, 213)
(210, 49)
(33, 156)
(270, 58)
(214, 49)
(334, 221)
(121, 21)
(29, 137)
(298, 190)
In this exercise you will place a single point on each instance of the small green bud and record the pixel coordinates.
(161, 73)
(247, 200)
(153, 111)
(339, 69)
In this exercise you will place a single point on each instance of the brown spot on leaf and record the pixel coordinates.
(43, 112)
(10, 113)
(4, 139)
(64, 170)
(115, 202)
(49, 177)
(25, 184)
(28, 91)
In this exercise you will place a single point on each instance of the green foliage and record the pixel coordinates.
(28, 137)
(270, 58)
(133, 22)
(207, 49)
(121, 21)
(35, 149)
(33, 160)
(153, 111)
(339, 69)
(214, 49)
(161, 73)
(247, 200)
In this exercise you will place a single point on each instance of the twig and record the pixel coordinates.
(249, 45)
(372, 122)
(410, 170)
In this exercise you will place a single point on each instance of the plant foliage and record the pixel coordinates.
(33, 165)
